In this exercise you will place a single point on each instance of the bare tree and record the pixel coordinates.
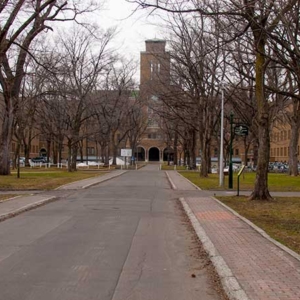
(84, 59)
(260, 19)
(196, 74)
(113, 105)
(21, 23)
(286, 54)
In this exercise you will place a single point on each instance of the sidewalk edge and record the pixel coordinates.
(173, 186)
(230, 284)
(105, 179)
(196, 186)
(91, 184)
(28, 207)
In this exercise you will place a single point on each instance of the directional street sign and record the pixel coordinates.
(241, 129)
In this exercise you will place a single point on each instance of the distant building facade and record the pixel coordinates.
(154, 81)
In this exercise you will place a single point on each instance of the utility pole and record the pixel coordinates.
(230, 179)
(221, 167)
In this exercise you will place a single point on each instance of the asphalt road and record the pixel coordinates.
(126, 238)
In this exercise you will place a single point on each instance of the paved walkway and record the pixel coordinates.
(251, 265)
(25, 202)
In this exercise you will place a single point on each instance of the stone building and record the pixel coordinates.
(154, 82)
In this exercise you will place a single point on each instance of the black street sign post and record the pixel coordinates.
(241, 130)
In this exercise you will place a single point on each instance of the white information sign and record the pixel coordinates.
(126, 152)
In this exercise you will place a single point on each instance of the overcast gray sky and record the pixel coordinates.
(134, 28)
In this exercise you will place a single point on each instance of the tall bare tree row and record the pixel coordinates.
(21, 23)
(267, 34)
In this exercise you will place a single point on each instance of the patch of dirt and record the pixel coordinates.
(198, 252)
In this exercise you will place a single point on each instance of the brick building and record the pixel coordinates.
(154, 81)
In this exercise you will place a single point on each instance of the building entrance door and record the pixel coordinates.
(154, 154)
(140, 154)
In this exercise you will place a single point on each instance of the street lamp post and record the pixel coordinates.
(221, 169)
(18, 152)
(230, 171)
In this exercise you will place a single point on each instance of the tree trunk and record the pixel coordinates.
(175, 144)
(193, 149)
(26, 153)
(54, 153)
(48, 150)
(114, 149)
(204, 162)
(69, 156)
(107, 154)
(74, 156)
(261, 191)
(5, 142)
(293, 150)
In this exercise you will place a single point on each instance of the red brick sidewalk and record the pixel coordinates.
(262, 269)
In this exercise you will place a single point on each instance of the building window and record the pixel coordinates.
(151, 69)
(152, 122)
(152, 136)
(91, 150)
(236, 151)
(215, 151)
(154, 98)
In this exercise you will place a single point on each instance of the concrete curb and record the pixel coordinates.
(28, 207)
(197, 187)
(90, 184)
(105, 179)
(230, 284)
(173, 186)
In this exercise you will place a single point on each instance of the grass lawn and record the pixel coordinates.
(277, 182)
(43, 179)
(7, 197)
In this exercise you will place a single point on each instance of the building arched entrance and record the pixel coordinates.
(140, 154)
(168, 154)
(43, 152)
(153, 154)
